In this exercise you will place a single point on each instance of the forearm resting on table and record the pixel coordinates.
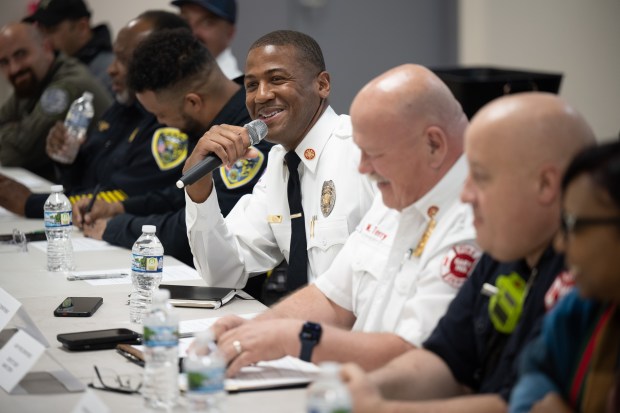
(309, 303)
(479, 403)
(417, 375)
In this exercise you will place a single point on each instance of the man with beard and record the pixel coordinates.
(128, 152)
(44, 85)
(177, 79)
(67, 25)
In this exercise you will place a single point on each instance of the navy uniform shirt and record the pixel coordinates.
(479, 356)
(128, 153)
(166, 208)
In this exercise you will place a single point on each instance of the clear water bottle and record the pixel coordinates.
(160, 387)
(205, 368)
(328, 394)
(77, 120)
(147, 259)
(58, 216)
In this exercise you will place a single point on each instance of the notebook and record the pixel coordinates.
(194, 296)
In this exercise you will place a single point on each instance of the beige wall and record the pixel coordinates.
(576, 37)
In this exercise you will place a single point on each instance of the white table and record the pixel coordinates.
(24, 276)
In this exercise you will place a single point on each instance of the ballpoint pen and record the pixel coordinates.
(90, 205)
(75, 277)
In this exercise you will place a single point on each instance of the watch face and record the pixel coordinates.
(311, 331)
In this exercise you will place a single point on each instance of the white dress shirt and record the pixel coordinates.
(255, 236)
(379, 278)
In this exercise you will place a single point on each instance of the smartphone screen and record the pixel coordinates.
(78, 306)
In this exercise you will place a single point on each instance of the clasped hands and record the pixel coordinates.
(244, 342)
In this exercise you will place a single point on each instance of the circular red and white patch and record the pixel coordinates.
(309, 154)
(561, 286)
(458, 263)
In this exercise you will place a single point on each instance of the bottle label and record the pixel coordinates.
(206, 381)
(58, 219)
(147, 263)
(161, 336)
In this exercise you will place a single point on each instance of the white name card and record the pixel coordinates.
(90, 403)
(17, 358)
(8, 307)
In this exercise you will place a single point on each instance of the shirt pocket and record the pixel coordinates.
(282, 234)
(369, 266)
(328, 233)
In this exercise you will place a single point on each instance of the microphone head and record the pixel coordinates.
(257, 129)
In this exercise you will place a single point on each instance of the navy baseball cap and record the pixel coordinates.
(226, 9)
(52, 12)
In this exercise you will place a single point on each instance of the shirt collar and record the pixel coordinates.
(316, 139)
(444, 193)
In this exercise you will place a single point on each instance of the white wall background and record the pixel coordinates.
(578, 38)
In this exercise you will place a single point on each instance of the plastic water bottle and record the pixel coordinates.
(205, 368)
(328, 394)
(77, 120)
(147, 259)
(160, 387)
(58, 216)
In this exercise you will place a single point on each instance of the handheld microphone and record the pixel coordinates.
(257, 129)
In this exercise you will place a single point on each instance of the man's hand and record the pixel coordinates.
(364, 394)
(57, 138)
(100, 210)
(96, 230)
(227, 142)
(13, 195)
(258, 340)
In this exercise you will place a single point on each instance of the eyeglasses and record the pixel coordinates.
(111, 381)
(571, 224)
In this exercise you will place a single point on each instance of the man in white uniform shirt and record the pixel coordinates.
(213, 23)
(400, 269)
(287, 87)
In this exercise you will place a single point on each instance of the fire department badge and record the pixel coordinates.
(458, 263)
(169, 147)
(309, 154)
(328, 198)
(242, 172)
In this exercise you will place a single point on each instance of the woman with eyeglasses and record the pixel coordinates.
(574, 366)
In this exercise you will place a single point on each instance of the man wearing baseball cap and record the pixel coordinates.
(67, 24)
(213, 23)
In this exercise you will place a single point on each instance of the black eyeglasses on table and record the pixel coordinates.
(113, 382)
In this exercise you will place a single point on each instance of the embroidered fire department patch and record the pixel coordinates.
(169, 147)
(242, 172)
(458, 263)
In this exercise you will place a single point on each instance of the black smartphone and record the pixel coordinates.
(78, 306)
(98, 339)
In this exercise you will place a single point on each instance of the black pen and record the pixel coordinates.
(90, 205)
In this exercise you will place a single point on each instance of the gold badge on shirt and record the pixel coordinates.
(328, 198)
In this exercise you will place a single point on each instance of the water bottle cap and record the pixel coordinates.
(330, 368)
(57, 188)
(149, 229)
(160, 296)
(87, 95)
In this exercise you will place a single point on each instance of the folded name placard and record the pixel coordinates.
(194, 296)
